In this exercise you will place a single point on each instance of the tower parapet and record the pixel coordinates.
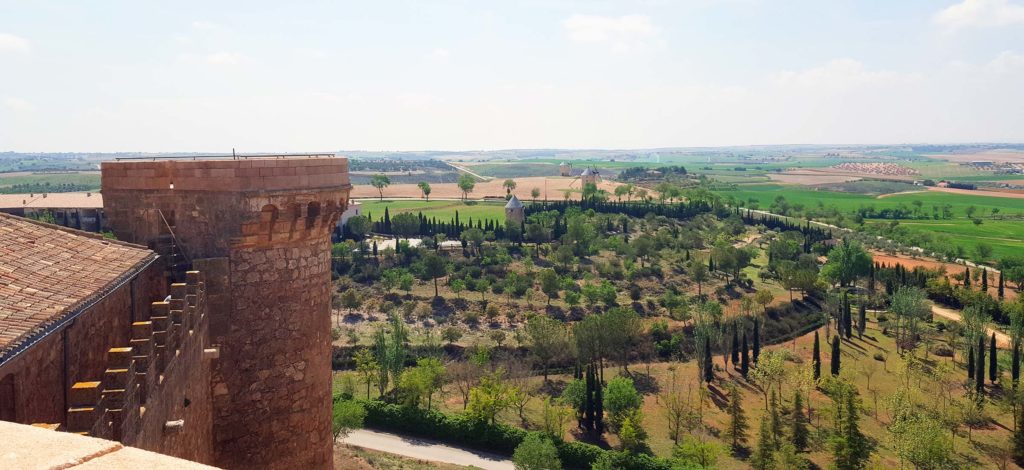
(259, 229)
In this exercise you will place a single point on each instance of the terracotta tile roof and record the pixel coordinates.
(48, 272)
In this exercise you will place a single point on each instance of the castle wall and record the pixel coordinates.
(40, 372)
(260, 231)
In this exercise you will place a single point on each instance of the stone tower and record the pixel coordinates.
(565, 169)
(259, 228)
(514, 211)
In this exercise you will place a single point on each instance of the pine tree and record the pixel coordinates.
(835, 355)
(979, 373)
(798, 423)
(993, 363)
(735, 346)
(850, 449)
(737, 427)
(775, 419)
(709, 373)
(763, 458)
(744, 358)
(1015, 364)
(757, 339)
(816, 358)
(862, 319)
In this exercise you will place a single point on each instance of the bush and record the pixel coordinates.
(536, 452)
(942, 350)
(498, 438)
(879, 357)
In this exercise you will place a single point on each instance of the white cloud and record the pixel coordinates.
(17, 104)
(1007, 62)
(205, 26)
(12, 43)
(838, 74)
(979, 14)
(621, 33)
(439, 55)
(215, 58)
(311, 53)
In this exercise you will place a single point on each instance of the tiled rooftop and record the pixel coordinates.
(47, 272)
(92, 200)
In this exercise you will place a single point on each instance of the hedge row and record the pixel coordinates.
(498, 438)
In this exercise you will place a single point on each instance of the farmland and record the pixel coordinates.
(442, 210)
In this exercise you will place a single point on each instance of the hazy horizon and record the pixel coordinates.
(410, 76)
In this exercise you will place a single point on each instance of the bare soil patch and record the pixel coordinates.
(1013, 194)
(811, 177)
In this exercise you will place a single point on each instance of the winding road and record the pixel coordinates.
(1002, 339)
(424, 449)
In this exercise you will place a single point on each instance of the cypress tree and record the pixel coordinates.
(999, 291)
(1015, 364)
(387, 221)
(735, 346)
(967, 276)
(709, 373)
(871, 278)
(847, 318)
(588, 416)
(598, 406)
(835, 355)
(862, 319)
(744, 358)
(979, 373)
(984, 280)
(757, 339)
(711, 264)
(798, 423)
(993, 363)
(1018, 438)
(737, 429)
(816, 358)
(375, 247)
(970, 363)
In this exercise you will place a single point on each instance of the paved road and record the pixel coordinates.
(423, 449)
(1002, 339)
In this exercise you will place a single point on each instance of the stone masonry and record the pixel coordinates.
(258, 229)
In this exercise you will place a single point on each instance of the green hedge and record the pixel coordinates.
(498, 438)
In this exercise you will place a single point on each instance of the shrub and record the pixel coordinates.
(536, 452)
(942, 350)
(879, 357)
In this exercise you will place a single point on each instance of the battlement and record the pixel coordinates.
(235, 175)
(114, 406)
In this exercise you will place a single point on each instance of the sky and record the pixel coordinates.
(299, 76)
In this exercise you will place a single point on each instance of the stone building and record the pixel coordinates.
(565, 169)
(204, 333)
(514, 210)
(590, 176)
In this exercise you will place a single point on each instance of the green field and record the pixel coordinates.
(45, 181)
(850, 202)
(442, 210)
(1006, 237)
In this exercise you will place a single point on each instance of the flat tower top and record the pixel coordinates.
(241, 174)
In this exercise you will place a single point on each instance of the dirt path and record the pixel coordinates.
(1002, 339)
(424, 449)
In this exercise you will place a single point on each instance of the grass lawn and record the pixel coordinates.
(443, 210)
